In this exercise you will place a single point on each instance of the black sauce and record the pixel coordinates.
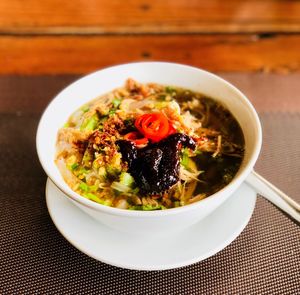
(155, 168)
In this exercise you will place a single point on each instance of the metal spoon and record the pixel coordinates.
(274, 195)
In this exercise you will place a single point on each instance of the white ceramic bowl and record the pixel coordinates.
(103, 81)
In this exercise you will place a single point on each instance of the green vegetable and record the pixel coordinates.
(90, 123)
(74, 166)
(81, 172)
(101, 122)
(150, 207)
(85, 108)
(187, 162)
(198, 152)
(84, 187)
(88, 188)
(116, 102)
(170, 89)
(113, 171)
(105, 202)
(103, 119)
(66, 125)
(87, 159)
(162, 97)
(126, 179)
(161, 104)
(176, 204)
(114, 168)
(111, 112)
(96, 199)
(147, 207)
(125, 183)
(135, 190)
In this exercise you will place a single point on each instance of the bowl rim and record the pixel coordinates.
(235, 183)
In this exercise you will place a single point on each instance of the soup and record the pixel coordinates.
(149, 147)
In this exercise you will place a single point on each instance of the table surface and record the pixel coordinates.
(36, 259)
(45, 45)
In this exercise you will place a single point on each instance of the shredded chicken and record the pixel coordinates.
(219, 145)
(140, 90)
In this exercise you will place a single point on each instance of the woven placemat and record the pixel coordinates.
(36, 259)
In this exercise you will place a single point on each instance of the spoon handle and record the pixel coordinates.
(274, 195)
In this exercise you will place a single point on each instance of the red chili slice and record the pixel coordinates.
(136, 138)
(172, 130)
(154, 126)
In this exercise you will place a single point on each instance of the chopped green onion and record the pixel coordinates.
(84, 187)
(170, 89)
(74, 166)
(85, 108)
(161, 104)
(135, 190)
(151, 207)
(147, 207)
(103, 119)
(90, 124)
(116, 102)
(198, 152)
(185, 160)
(111, 112)
(87, 159)
(96, 199)
(125, 184)
(176, 204)
(162, 97)
(112, 171)
(126, 179)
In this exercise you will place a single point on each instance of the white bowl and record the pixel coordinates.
(103, 81)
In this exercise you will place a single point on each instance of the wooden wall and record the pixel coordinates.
(79, 36)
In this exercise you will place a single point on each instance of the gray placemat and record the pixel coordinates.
(36, 259)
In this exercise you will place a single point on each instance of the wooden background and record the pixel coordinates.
(79, 36)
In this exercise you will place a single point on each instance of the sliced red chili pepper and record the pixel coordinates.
(136, 138)
(172, 130)
(138, 121)
(154, 126)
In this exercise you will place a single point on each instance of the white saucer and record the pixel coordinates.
(197, 243)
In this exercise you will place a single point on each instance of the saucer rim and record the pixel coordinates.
(175, 265)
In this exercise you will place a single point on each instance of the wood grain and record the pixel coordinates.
(155, 16)
(77, 54)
